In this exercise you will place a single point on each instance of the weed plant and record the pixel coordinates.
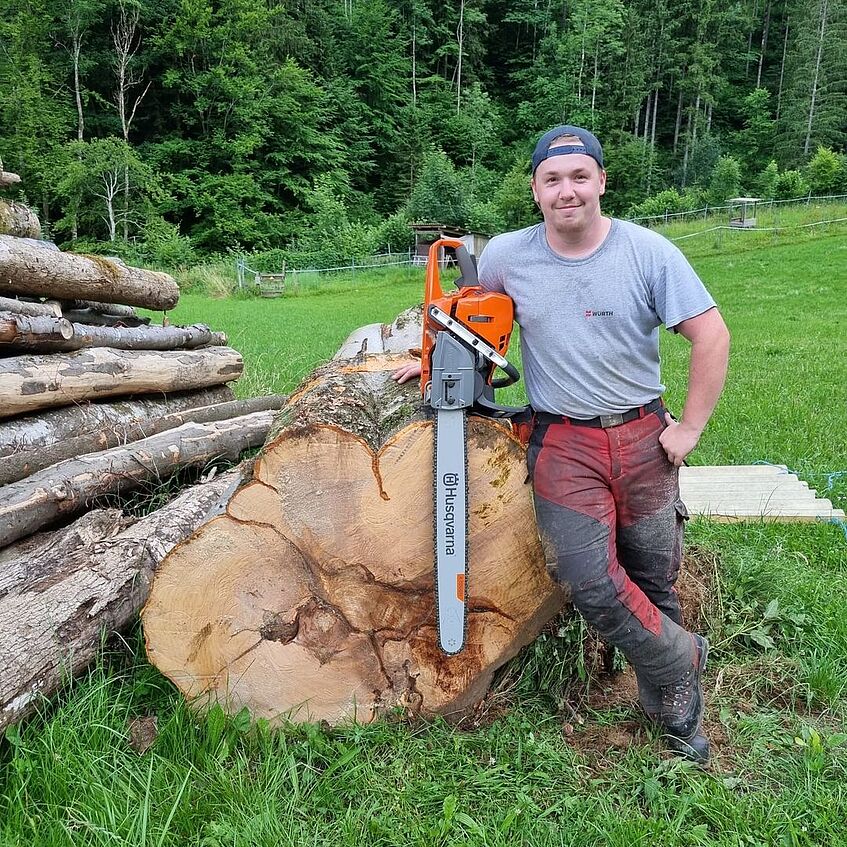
(536, 767)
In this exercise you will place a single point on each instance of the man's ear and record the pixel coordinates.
(602, 182)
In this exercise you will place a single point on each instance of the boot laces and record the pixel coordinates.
(677, 694)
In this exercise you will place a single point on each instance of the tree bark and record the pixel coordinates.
(60, 591)
(818, 53)
(18, 220)
(115, 309)
(764, 45)
(49, 308)
(782, 66)
(22, 464)
(91, 317)
(21, 334)
(30, 267)
(68, 487)
(312, 597)
(678, 122)
(28, 383)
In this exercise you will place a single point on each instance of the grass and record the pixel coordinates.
(529, 773)
(283, 338)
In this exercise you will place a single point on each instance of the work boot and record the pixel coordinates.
(649, 696)
(682, 701)
(696, 748)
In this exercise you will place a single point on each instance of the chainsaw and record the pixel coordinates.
(465, 336)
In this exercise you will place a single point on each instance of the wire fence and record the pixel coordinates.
(758, 228)
(293, 278)
(761, 205)
(274, 284)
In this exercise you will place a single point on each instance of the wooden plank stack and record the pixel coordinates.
(729, 493)
(97, 401)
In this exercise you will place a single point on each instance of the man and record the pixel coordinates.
(590, 293)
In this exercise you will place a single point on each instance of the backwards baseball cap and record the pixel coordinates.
(590, 145)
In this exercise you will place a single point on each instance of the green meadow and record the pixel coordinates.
(548, 762)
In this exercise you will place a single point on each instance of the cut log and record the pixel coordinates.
(90, 317)
(30, 267)
(17, 332)
(22, 334)
(60, 591)
(99, 420)
(312, 597)
(24, 463)
(28, 383)
(403, 336)
(66, 488)
(115, 309)
(18, 220)
(49, 309)
(7, 178)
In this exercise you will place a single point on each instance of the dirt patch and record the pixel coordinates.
(596, 740)
(697, 580)
(609, 721)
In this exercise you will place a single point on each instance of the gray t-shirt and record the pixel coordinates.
(590, 326)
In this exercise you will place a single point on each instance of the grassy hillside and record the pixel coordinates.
(544, 764)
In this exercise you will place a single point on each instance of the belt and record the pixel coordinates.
(602, 421)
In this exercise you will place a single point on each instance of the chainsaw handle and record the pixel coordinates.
(467, 267)
(512, 376)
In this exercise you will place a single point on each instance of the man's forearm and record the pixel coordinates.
(706, 376)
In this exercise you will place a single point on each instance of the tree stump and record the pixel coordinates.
(312, 596)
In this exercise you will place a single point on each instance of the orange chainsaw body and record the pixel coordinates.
(487, 314)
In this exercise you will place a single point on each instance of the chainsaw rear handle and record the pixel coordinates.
(467, 267)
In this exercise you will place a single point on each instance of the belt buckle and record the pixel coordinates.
(610, 420)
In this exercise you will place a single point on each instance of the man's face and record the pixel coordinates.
(568, 190)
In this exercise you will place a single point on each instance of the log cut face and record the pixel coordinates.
(313, 598)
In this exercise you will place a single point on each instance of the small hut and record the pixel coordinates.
(426, 234)
(742, 212)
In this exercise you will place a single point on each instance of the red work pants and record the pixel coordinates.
(607, 504)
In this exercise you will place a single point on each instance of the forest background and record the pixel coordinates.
(169, 131)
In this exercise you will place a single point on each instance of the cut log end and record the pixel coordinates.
(319, 602)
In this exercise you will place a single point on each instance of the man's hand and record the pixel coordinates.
(404, 373)
(678, 440)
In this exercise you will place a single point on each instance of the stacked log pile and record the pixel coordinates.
(95, 400)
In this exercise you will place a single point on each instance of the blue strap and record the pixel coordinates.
(838, 522)
(831, 477)
(783, 468)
